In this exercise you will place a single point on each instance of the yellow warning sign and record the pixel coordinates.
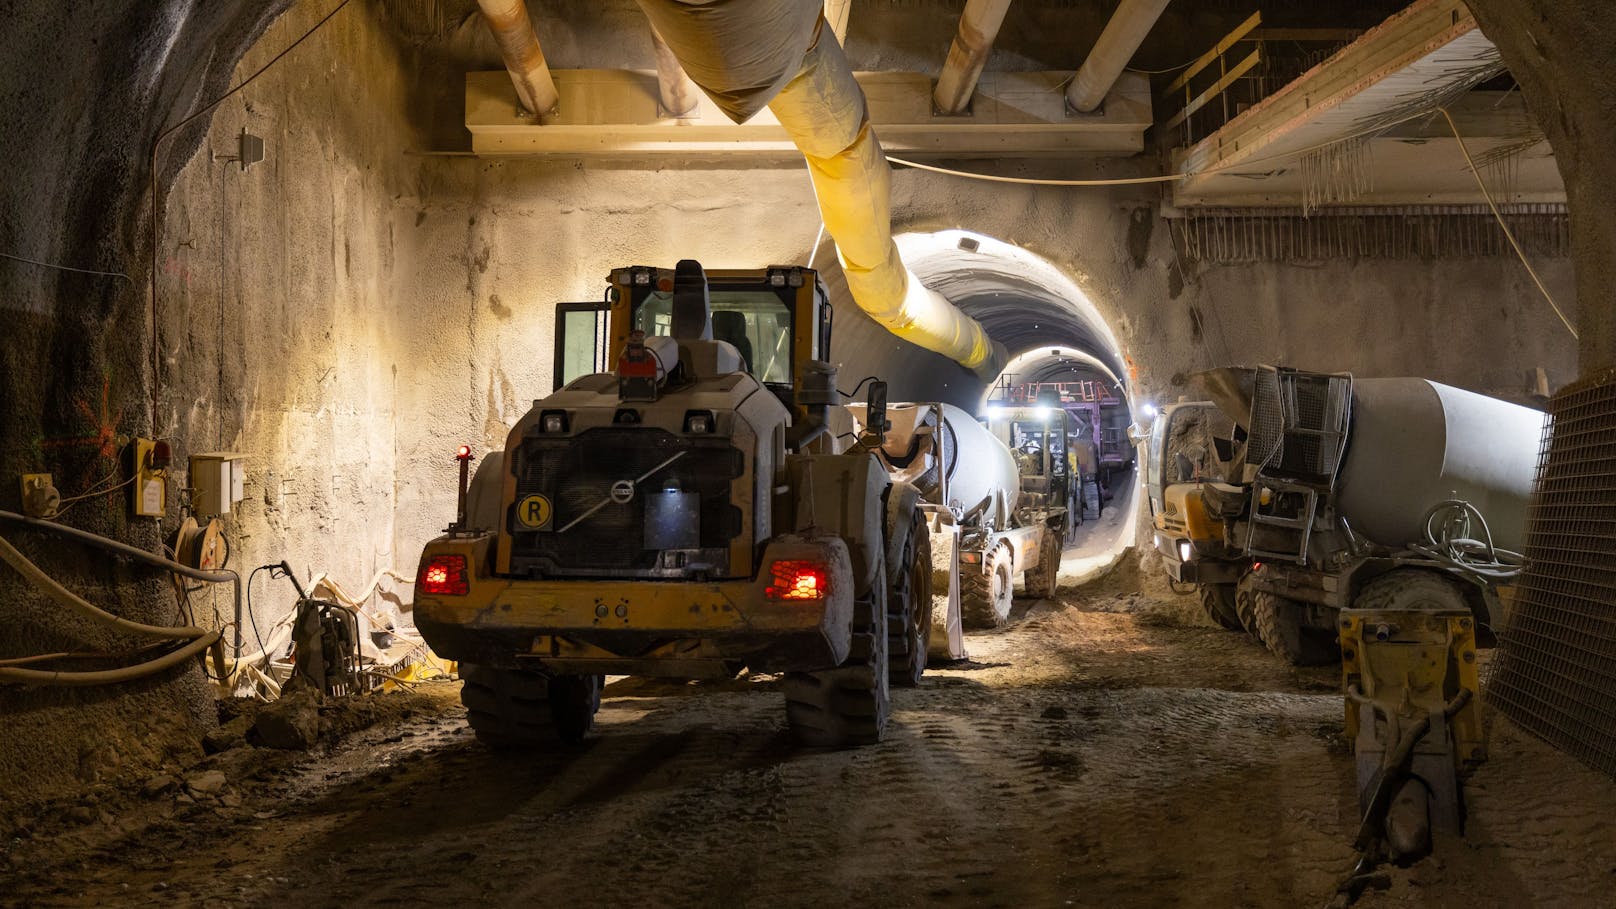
(533, 512)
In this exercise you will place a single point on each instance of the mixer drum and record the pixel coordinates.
(1414, 443)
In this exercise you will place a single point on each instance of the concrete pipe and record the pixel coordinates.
(978, 27)
(1118, 43)
(524, 59)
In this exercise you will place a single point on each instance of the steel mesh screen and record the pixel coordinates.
(1555, 672)
(1267, 419)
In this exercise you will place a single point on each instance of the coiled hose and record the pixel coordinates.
(1450, 538)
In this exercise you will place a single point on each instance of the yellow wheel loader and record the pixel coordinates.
(679, 508)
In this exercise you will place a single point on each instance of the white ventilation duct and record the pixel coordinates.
(746, 54)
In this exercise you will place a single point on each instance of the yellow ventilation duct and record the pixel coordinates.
(749, 53)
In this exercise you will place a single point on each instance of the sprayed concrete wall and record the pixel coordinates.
(280, 309)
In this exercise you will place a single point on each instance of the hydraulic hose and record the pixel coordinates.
(109, 676)
(139, 555)
(52, 587)
(196, 639)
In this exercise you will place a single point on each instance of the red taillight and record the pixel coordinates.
(445, 576)
(799, 580)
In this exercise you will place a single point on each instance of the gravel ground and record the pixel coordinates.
(1107, 749)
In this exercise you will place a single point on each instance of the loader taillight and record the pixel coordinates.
(445, 576)
(799, 580)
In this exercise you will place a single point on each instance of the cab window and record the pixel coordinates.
(757, 322)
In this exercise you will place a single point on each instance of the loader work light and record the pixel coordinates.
(445, 576)
(698, 422)
(798, 579)
(554, 421)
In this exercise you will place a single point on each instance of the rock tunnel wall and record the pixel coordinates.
(347, 312)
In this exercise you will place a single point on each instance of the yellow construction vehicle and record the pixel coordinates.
(687, 513)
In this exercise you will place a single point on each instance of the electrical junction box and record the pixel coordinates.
(218, 481)
(149, 494)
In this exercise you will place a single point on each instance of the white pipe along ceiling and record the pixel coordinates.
(748, 54)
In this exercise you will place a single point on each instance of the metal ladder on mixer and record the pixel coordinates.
(1299, 428)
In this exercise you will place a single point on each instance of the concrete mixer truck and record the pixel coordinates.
(1369, 521)
(1008, 513)
(1290, 495)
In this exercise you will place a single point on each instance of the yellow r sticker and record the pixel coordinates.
(533, 512)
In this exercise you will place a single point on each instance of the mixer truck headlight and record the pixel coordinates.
(553, 421)
(445, 576)
(1186, 552)
(798, 579)
(698, 422)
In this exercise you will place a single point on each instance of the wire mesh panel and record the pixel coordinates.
(1555, 673)
(1267, 419)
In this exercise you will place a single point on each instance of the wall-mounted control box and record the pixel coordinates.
(218, 481)
(149, 493)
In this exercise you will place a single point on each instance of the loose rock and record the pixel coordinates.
(291, 723)
(208, 782)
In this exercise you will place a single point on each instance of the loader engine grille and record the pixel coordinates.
(606, 484)
(1555, 671)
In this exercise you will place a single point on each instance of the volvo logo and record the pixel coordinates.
(623, 492)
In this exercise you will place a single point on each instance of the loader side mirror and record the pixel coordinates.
(875, 413)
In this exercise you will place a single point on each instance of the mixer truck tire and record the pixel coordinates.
(1042, 581)
(985, 595)
(1409, 589)
(1219, 602)
(848, 705)
(516, 709)
(909, 604)
(1279, 626)
(1245, 610)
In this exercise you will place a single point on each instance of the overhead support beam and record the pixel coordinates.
(618, 113)
(677, 95)
(1127, 29)
(524, 59)
(836, 12)
(978, 26)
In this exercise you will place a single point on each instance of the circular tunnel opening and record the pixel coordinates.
(1063, 353)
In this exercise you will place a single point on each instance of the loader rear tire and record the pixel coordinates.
(517, 709)
(985, 596)
(1219, 602)
(1279, 625)
(909, 606)
(1042, 581)
(847, 705)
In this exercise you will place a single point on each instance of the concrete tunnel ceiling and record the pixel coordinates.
(1021, 299)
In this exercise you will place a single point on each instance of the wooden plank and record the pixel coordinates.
(1307, 34)
(1217, 88)
(1228, 41)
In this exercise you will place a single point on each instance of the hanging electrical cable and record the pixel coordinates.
(1508, 234)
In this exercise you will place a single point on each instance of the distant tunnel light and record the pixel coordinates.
(1147, 409)
(798, 579)
(445, 576)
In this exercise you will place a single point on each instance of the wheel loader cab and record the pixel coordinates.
(778, 320)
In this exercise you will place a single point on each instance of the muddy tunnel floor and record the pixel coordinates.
(1104, 750)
